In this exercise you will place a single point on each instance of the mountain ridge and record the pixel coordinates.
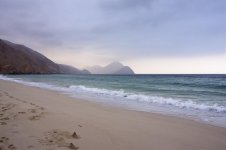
(19, 59)
(112, 68)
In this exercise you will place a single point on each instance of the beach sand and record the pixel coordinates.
(34, 118)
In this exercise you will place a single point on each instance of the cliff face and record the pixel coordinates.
(18, 59)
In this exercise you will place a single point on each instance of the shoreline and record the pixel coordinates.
(87, 94)
(47, 119)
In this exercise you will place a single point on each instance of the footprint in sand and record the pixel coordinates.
(60, 139)
(5, 118)
(37, 117)
(75, 135)
(3, 109)
(4, 144)
(32, 110)
(3, 123)
(24, 101)
(15, 116)
(22, 112)
(15, 132)
(30, 146)
(32, 104)
(72, 146)
(39, 107)
(11, 96)
(7, 107)
(79, 125)
(36, 111)
(42, 108)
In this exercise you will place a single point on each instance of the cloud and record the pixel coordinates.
(167, 28)
(122, 28)
(126, 5)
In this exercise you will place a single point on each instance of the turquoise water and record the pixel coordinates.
(202, 97)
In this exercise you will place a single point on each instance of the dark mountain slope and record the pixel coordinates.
(19, 59)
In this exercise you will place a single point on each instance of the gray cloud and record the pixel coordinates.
(129, 28)
(125, 5)
(172, 28)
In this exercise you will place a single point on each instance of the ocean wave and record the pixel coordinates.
(183, 104)
(188, 104)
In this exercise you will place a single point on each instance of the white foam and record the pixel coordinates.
(188, 104)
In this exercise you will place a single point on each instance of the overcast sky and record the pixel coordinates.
(151, 36)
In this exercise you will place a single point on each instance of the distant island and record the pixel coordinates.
(112, 68)
(19, 59)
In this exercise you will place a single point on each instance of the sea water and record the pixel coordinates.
(199, 97)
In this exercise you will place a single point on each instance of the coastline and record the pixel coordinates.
(37, 118)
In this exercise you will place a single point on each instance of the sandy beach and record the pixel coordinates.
(34, 118)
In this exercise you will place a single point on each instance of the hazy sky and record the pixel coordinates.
(151, 36)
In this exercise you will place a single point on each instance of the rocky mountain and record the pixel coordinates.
(125, 70)
(19, 59)
(112, 68)
(72, 70)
